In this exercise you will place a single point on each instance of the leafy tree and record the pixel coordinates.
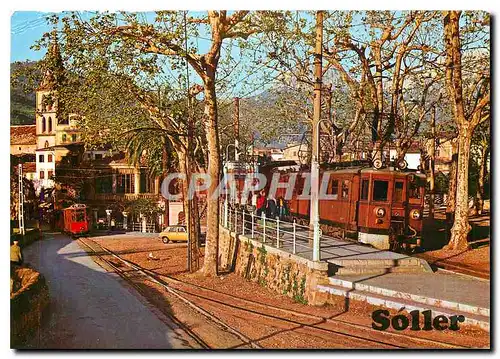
(470, 98)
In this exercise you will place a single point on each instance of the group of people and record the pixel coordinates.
(270, 206)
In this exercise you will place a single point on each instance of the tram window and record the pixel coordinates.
(380, 189)
(398, 191)
(414, 191)
(333, 189)
(364, 189)
(80, 216)
(345, 188)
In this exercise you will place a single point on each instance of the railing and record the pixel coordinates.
(139, 227)
(126, 196)
(279, 233)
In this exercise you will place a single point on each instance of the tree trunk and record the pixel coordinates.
(461, 227)
(479, 205)
(212, 241)
(166, 215)
(191, 217)
(432, 185)
(452, 183)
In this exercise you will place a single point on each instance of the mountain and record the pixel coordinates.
(22, 104)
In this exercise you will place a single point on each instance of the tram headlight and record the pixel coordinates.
(415, 214)
(379, 212)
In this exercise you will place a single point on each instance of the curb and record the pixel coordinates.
(446, 304)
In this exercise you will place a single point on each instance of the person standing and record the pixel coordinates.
(271, 207)
(16, 255)
(281, 207)
(261, 203)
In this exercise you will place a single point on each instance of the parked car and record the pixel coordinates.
(174, 234)
(177, 233)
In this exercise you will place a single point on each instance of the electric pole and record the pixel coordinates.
(432, 157)
(21, 200)
(236, 124)
(314, 213)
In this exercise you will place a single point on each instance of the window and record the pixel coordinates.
(98, 156)
(147, 184)
(125, 183)
(19, 148)
(73, 138)
(44, 125)
(80, 216)
(380, 189)
(50, 174)
(414, 191)
(64, 137)
(49, 158)
(41, 158)
(333, 188)
(364, 189)
(50, 124)
(345, 188)
(42, 174)
(398, 191)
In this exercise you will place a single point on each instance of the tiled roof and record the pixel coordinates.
(29, 167)
(23, 135)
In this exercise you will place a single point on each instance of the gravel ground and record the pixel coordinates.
(476, 259)
(268, 325)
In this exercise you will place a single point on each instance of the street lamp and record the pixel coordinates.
(125, 215)
(108, 215)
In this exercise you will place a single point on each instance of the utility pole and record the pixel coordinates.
(236, 128)
(314, 213)
(21, 200)
(432, 156)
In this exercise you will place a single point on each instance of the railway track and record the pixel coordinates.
(189, 293)
(197, 338)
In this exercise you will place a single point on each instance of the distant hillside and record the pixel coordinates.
(22, 105)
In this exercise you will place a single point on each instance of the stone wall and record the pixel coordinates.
(280, 271)
(29, 297)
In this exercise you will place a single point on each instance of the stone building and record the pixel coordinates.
(23, 139)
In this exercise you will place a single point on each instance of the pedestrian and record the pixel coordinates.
(281, 207)
(271, 207)
(261, 203)
(113, 224)
(16, 256)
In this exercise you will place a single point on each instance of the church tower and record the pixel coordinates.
(47, 111)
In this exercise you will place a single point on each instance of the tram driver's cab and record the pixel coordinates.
(390, 208)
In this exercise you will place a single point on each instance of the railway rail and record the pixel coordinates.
(199, 301)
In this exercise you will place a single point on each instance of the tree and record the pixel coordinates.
(394, 46)
(481, 147)
(130, 45)
(470, 99)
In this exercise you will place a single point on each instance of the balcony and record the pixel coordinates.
(114, 197)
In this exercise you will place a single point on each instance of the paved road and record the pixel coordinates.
(91, 308)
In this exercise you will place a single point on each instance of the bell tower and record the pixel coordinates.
(47, 111)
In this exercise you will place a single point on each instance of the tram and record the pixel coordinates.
(382, 207)
(75, 220)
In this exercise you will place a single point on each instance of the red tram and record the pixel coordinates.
(75, 220)
(382, 207)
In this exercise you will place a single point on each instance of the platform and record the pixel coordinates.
(442, 292)
(349, 257)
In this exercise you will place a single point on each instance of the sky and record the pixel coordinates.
(29, 26)
(26, 28)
